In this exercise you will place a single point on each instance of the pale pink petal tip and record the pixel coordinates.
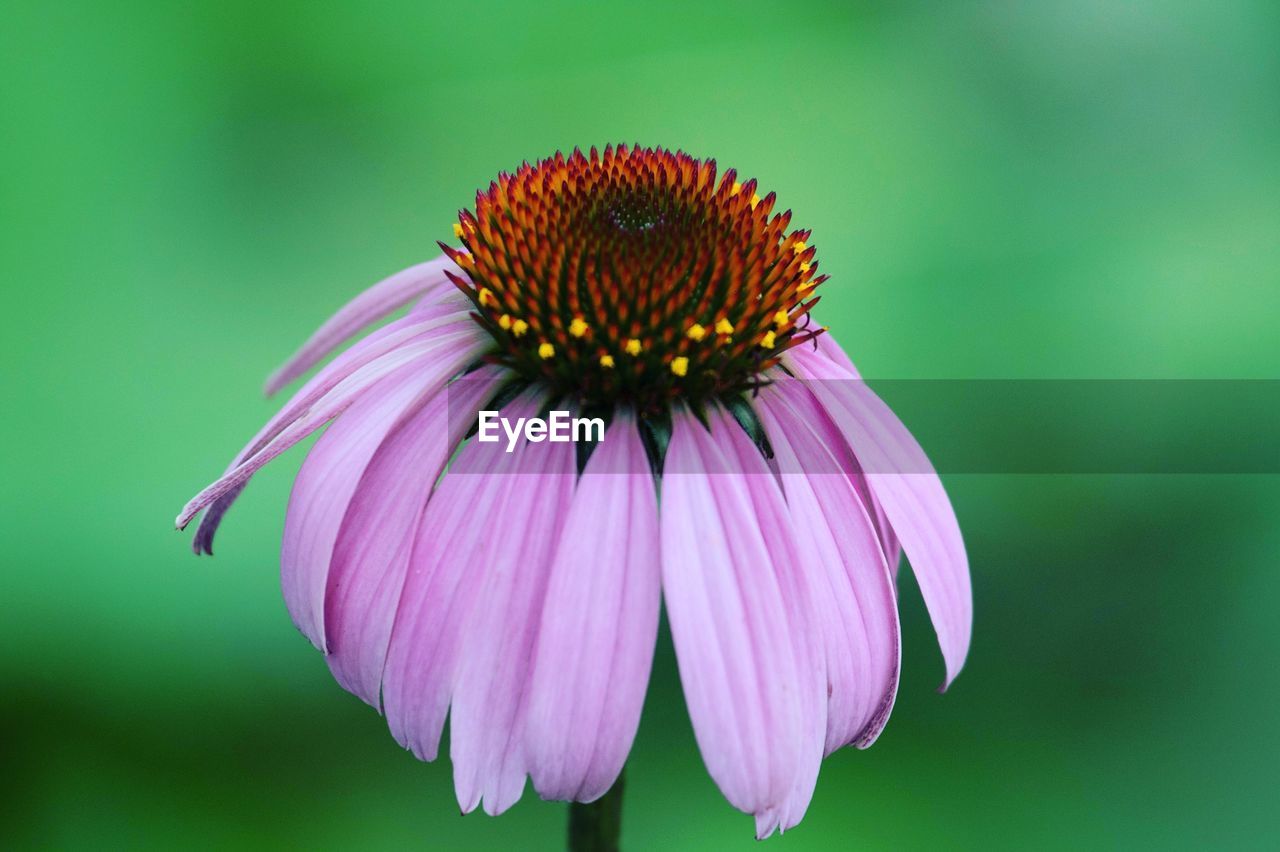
(766, 823)
(368, 307)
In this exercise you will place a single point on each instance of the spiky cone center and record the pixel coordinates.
(632, 276)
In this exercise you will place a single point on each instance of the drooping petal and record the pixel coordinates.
(323, 489)
(423, 279)
(369, 360)
(858, 616)
(900, 476)
(466, 622)
(734, 644)
(824, 346)
(374, 346)
(803, 601)
(598, 627)
(442, 352)
(377, 345)
(372, 549)
(458, 532)
(487, 719)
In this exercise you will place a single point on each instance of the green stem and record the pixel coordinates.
(595, 827)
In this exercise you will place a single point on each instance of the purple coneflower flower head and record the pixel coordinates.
(747, 480)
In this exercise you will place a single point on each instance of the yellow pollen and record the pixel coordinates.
(767, 342)
(806, 287)
(755, 199)
(606, 361)
(457, 230)
(463, 258)
(546, 350)
(504, 322)
(805, 267)
(737, 187)
(723, 326)
(578, 327)
(696, 332)
(799, 246)
(781, 318)
(633, 347)
(486, 297)
(680, 365)
(519, 327)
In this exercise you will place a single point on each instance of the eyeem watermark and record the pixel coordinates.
(558, 428)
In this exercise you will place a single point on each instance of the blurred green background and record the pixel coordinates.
(1000, 189)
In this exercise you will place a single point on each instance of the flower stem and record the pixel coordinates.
(595, 827)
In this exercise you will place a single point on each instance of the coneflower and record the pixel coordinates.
(747, 478)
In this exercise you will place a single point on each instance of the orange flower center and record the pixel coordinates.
(633, 277)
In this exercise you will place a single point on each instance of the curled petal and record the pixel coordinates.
(445, 349)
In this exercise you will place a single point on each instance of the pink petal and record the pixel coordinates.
(825, 347)
(323, 491)
(374, 346)
(466, 624)
(371, 553)
(738, 660)
(378, 344)
(884, 531)
(804, 602)
(858, 616)
(424, 279)
(902, 479)
(456, 535)
(443, 351)
(490, 692)
(367, 359)
(599, 625)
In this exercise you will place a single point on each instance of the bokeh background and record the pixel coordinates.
(1000, 189)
